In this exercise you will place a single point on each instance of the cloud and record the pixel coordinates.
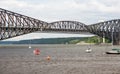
(86, 11)
(86, 5)
(11, 4)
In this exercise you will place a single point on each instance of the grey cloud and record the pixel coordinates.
(88, 11)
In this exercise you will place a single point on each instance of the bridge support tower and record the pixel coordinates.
(116, 39)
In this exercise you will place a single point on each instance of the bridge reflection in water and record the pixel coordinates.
(13, 24)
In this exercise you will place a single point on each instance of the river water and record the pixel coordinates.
(64, 59)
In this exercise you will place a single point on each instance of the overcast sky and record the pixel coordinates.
(85, 11)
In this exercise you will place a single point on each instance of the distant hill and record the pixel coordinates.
(70, 40)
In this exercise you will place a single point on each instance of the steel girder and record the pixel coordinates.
(68, 26)
(13, 24)
(108, 29)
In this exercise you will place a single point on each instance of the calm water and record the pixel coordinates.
(65, 59)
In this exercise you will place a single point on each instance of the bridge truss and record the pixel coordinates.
(13, 24)
(108, 29)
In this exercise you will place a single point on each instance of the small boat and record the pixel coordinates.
(116, 49)
(89, 50)
(113, 52)
(29, 47)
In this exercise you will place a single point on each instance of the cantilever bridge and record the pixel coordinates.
(13, 24)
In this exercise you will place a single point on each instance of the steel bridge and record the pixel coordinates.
(13, 24)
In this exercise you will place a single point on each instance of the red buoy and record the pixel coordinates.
(48, 57)
(36, 51)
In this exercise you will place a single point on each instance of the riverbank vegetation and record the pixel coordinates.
(70, 40)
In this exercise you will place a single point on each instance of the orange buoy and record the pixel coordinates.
(36, 51)
(48, 58)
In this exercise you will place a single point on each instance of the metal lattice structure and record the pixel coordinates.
(68, 26)
(108, 29)
(13, 24)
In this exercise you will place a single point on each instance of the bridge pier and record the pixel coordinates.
(116, 39)
(116, 42)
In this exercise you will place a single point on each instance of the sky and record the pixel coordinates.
(85, 11)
